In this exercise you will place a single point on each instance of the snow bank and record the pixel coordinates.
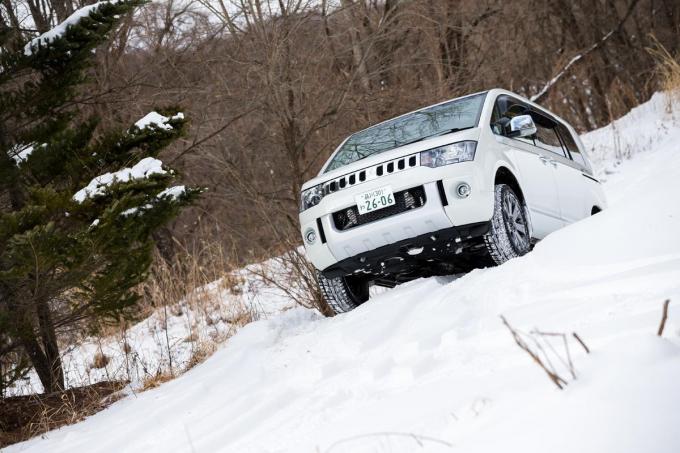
(59, 31)
(626, 401)
(143, 169)
(642, 129)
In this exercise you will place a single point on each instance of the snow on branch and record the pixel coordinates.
(559, 75)
(158, 120)
(171, 193)
(59, 31)
(20, 153)
(143, 169)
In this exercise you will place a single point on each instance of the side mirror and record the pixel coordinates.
(521, 126)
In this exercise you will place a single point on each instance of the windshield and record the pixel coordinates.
(450, 116)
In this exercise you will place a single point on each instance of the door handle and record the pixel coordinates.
(547, 161)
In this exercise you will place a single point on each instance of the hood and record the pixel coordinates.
(385, 156)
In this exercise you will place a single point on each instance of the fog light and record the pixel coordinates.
(310, 236)
(463, 190)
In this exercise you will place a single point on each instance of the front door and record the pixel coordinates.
(539, 184)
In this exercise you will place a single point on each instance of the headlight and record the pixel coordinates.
(449, 154)
(311, 197)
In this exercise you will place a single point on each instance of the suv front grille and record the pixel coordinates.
(371, 173)
(405, 200)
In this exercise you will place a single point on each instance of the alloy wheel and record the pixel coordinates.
(515, 222)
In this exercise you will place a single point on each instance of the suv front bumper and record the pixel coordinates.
(333, 245)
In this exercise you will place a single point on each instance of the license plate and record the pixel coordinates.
(374, 200)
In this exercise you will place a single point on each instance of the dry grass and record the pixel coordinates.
(201, 352)
(23, 417)
(294, 276)
(151, 382)
(100, 360)
(172, 281)
(668, 68)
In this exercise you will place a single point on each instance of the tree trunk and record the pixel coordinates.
(40, 364)
(51, 347)
(39, 17)
(47, 364)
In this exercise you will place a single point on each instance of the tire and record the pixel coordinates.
(343, 294)
(510, 232)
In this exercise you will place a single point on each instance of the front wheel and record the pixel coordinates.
(343, 293)
(510, 234)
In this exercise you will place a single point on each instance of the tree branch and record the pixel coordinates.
(543, 91)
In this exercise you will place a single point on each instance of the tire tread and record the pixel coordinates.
(497, 242)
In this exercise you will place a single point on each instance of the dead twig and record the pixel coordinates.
(575, 335)
(565, 343)
(664, 317)
(552, 375)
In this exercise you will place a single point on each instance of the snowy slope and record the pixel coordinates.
(430, 367)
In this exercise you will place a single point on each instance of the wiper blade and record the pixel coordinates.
(444, 132)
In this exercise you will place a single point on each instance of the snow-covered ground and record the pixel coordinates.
(429, 366)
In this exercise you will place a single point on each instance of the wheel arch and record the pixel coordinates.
(505, 176)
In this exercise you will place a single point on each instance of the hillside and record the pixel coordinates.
(429, 366)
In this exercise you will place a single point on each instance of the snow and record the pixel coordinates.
(58, 31)
(20, 153)
(172, 192)
(429, 366)
(143, 169)
(136, 209)
(643, 129)
(158, 120)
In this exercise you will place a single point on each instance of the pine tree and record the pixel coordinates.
(79, 201)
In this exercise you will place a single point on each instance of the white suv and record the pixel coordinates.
(467, 183)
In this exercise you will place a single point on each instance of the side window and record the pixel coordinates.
(571, 145)
(546, 135)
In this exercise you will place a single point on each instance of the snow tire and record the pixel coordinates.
(343, 294)
(510, 232)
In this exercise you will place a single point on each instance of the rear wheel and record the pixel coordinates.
(510, 234)
(343, 293)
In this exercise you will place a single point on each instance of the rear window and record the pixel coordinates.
(571, 145)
